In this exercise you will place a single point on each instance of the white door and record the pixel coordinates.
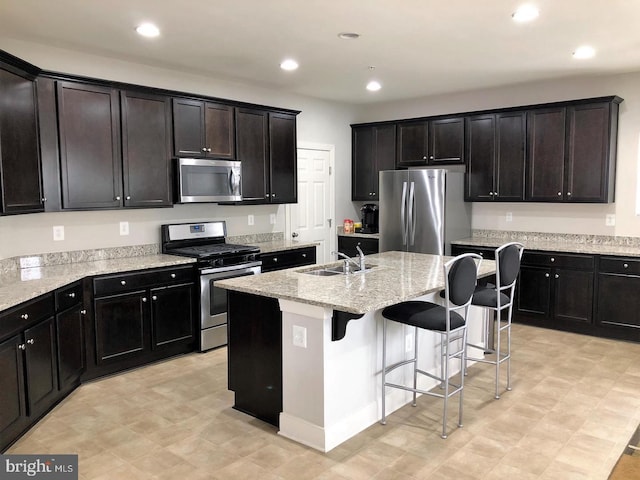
(312, 218)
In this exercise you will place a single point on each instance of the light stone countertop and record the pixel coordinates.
(359, 234)
(398, 276)
(24, 284)
(281, 245)
(555, 246)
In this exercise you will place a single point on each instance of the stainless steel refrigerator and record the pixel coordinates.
(422, 210)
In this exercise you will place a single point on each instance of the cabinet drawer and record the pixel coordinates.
(68, 296)
(288, 259)
(25, 314)
(619, 265)
(579, 262)
(126, 282)
(488, 253)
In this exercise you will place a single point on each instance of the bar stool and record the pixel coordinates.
(497, 299)
(460, 275)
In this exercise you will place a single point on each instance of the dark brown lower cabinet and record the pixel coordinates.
(347, 245)
(255, 355)
(618, 300)
(13, 414)
(71, 352)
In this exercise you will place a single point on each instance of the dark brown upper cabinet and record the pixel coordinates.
(572, 151)
(374, 150)
(252, 134)
(90, 157)
(20, 169)
(203, 129)
(283, 165)
(496, 157)
(434, 142)
(146, 149)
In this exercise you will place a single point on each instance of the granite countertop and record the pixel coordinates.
(282, 245)
(397, 276)
(560, 244)
(20, 285)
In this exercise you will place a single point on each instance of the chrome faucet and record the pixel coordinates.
(348, 260)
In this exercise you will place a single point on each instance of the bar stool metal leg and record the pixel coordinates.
(383, 421)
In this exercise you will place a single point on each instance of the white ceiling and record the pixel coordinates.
(419, 47)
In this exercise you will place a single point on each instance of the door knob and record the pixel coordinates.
(294, 234)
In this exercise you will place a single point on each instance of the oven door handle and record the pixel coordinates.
(222, 270)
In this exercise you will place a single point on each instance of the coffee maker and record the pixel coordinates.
(369, 215)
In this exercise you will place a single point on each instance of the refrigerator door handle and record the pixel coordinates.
(412, 217)
(403, 212)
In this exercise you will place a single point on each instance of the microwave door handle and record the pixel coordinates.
(234, 182)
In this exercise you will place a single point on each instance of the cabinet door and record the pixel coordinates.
(347, 245)
(251, 136)
(71, 353)
(188, 128)
(19, 155)
(573, 296)
(219, 125)
(41, 366)
(546, 151)
(588, 152)
(481, 155)
(533, 303)
(283, 158)
(363, 162)
(88, 119)
(413, 139)
(146, 149)
(121, 327)
(612, 310)
(385, 155)
(171, 315)
(446, 141)
(13, 413)
(511, 134)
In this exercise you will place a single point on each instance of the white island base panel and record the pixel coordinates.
(331, 389)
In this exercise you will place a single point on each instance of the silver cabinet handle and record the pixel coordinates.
(154, 298)
(204, 149)
(83, 312)
(275, 259)
(491, 194)
(71, 295)
(559, 194)
(424, 157)
(118, 197)
(209, 150)
(128, 197)
(304, 255)
(546, 275)
(568, 194)
(22, 346)
(553, 259)
(266, 196)
(273, 194)
(144, 299)
(626, 265)
(431, 157)
(31, 341)
(24, 316)
(173, 275)
(123, 282)
(557, 276)
(44, 199)
(495, 193)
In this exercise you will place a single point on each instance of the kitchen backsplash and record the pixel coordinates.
(77, 256)
(558, 237)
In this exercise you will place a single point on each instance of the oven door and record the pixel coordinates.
(213, 300)
(202, 180)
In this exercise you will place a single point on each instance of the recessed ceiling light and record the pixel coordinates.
(348, 35)
(148, 30)
(289, 64)
(373, 86)
(525, 13)
(583, 52)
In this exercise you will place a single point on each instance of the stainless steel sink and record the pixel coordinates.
(337, 270)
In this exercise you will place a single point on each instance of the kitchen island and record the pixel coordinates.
(311, 345)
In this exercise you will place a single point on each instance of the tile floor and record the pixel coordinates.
(574, 405)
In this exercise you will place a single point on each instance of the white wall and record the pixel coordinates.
(556, 218)
(320, 122)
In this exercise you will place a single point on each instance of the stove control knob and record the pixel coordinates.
(219, 262)
(251, 258)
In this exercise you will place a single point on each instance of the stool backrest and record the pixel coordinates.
(461, 275)
(508, 258)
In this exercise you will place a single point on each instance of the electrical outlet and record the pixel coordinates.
(509, 217)
(408, 342)
(58, 233)
(251, 220)
(124, 228)
(610, 220)
(272, 218)
(299, 336)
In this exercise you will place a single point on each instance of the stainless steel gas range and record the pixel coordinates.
(216, 260)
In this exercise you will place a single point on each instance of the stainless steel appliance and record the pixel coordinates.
(216, 260)
(369, 218)
(422, 210)
(203, 180)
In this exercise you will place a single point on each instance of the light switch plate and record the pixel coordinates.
(58, 233)
(299, 336)
(509, 216)
(272, 218)
(610, 220)
(250, 220)
(124, 228)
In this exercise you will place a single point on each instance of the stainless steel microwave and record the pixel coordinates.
(203, 180)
